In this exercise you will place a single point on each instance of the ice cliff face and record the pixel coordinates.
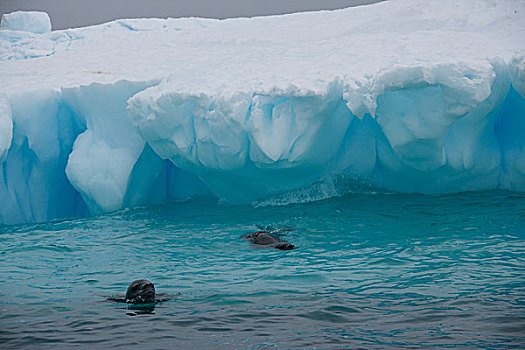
(411, 96)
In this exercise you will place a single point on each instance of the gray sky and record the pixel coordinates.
(78, 13)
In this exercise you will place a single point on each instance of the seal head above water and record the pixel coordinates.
(140, 292)
(266, 238)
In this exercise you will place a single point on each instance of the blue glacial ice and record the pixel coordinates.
(268, 110)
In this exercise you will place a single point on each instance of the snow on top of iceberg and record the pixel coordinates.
(300, 52)
(26, 21)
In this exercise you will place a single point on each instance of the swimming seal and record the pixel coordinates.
(266, 238)
(140, 292)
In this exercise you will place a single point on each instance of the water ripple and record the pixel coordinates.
(421, 272)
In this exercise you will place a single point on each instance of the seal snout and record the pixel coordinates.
(284, 246)
(140, 291)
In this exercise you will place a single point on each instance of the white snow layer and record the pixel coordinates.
(410, 96)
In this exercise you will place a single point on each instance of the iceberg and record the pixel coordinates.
(406, 96)
(27, 21)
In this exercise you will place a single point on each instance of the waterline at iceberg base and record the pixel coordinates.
(408, 97)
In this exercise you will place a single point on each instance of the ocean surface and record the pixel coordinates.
(370, 271)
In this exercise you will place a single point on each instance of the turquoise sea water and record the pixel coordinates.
(371, 271)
